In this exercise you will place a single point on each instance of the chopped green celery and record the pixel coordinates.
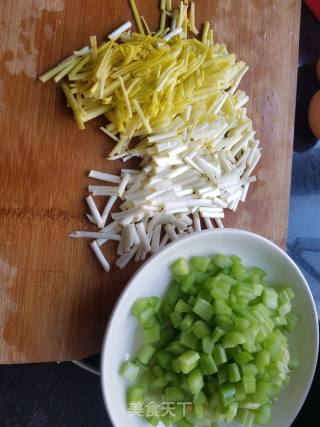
(183, 383)
(274, 342)
(200, 329)
(147, 317)
(161, 318)
(217, 334)
(263, 415)
(232, 353)
(195, 381)
(270, 298)
(175, 319)
(232, 339)
(286, 295)
(249, 383)
(182, 306)
(293, 363)
(280, 320)
(207, 345)
(231, 412)
(240, 393)
(166, 335)
(227, 393)
(200, 398)
(255, 275)
(155, 302)
(263, 391)
(241, 324)
(174, 394)
(175, 366)
(172, 295)
(139, 306)
(135, 394)
(171, 378)
(238, 302)
(152, 334)
(187, 322)
(199, 263)
(187, 361)
(222, 374)
(243, 358)
(175, 347)
(204, 294)
(222, 261)
(238, 271)
(156, 371)
(164, 359)
(212, 269)
(203, 309)
(219, 355)
(180, 267)
(130, 371)
(249, 368)
(233, 373)
(224, 322)
(158, 382)
(262, 360)
(207, 364)
(222, 309)
(198, 277)
(199, 411)
(250, 343)
(284, 308)
(245, 417)
(191, 300)
(146, 354)
(187, 284)
(219, 286)
(189, 340)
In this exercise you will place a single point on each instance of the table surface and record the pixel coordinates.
(52, 395)
(55, 298)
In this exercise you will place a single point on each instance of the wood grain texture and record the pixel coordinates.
(55, 300)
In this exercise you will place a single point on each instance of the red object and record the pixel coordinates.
(314, 6)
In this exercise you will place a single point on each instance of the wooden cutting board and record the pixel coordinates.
(55, 299)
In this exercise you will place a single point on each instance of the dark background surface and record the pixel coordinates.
(63, 395)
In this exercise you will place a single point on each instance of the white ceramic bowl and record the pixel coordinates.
(122, 337)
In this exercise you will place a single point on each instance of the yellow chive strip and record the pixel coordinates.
(205, 31)
(137, 17)
(73, 105)
(168, 5)
(142, 116)
(94, 48)
(192, 23)
(125, 95)
(59, 68)
(162, 16)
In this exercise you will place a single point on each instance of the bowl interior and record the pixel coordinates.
(123, 336)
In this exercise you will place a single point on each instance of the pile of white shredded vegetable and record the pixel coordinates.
(173, 102)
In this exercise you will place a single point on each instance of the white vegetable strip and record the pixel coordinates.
(123, 184)
(117, 33)
(208, 223)
(94, 211)
(124, 259)
(143, 236)
(103, 190)
(170, 232)
(94, 235)
(155, 241)
(196, 221)
(107, 209)
(219, 222)
(101, 258)
(104, 176)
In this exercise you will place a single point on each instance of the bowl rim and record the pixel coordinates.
(190, 237)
